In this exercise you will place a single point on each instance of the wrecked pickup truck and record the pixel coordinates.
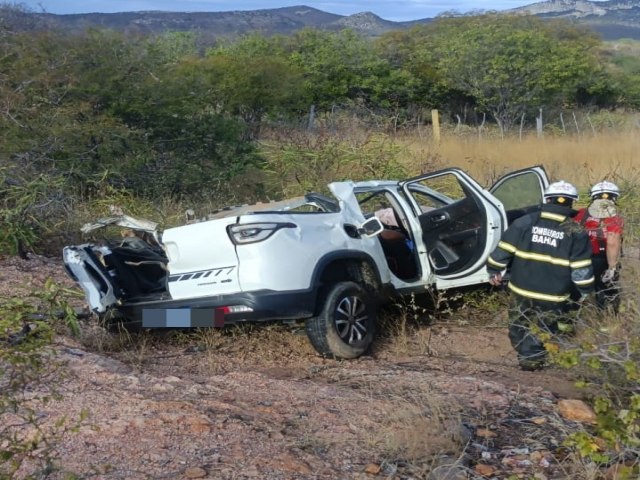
(330, 260)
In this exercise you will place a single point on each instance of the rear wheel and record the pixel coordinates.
(345, 327)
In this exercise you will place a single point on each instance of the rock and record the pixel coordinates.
(465, 433)
(484, 469)
(577, 411)
(448, 468)
(198, 424)
(195, 472)
(161, 387)
(372, 469)
(453, 472)
(519, 461)
(251, 472)
(541, 458)
(485, 433)
(286, 462)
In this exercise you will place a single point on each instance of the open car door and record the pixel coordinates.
(521, 192)
(458, 234)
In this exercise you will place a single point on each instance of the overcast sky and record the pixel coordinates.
(396, 10)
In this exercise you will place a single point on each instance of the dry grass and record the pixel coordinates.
(403, 328)
(581, 160)
(410, 426)
(419, 427)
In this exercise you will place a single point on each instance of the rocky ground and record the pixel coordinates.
(443, 400)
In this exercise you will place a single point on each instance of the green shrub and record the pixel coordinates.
(30, 209)
(308, 162)
(29, 376)
(605, 353)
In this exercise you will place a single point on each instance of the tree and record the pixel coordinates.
(252, 87)
(512, 63)
(339, 67)
(415, 83)
(623, 65)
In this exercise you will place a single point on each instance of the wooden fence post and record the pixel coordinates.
(539, 124)
(435, 120)
(312, 118)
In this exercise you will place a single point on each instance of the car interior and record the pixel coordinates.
(396, 240)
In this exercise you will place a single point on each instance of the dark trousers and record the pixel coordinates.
(525, 315)
(607, 294)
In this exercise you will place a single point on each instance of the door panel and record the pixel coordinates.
(453, 234)
(463, 226)
(456, 233)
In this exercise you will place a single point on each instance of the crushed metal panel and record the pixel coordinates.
(344, 192)
(282, 205)
(125, 221)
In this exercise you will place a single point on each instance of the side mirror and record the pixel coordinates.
(371, 227)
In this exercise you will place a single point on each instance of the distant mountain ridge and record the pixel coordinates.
(613, 19)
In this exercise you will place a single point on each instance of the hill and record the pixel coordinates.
(212, 24)
(612, 19)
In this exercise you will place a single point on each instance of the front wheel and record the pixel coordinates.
(345, 327)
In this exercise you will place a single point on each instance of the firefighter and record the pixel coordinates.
(605, 227)
(548, 254)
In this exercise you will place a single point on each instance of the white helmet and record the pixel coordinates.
(605, 190)
(561, 190)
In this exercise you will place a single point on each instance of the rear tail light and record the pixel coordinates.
(221, 312)
(235, 309)
(254, 232)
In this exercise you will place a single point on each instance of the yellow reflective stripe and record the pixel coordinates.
(507, 246)
(553, 216)
(538, 295)
(497, 264)
(538, 257)
(585, 282)
(581, 263)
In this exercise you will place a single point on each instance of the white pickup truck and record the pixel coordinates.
(330, 260)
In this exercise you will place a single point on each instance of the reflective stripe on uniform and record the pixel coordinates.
(538, 257)
(491, 261)
(588, 281)
(507, 246)
(581, 263)
(553, 216)
(537, 295)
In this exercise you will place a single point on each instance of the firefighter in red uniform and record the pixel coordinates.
(548, 255)
(605, 228)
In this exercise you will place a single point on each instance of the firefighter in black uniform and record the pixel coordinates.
(547, 254)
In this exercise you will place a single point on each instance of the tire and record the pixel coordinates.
(345, 327)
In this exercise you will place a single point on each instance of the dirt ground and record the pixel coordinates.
(445, 400)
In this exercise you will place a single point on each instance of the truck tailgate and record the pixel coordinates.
(202, 259)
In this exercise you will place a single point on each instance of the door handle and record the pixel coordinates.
(438, 218)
